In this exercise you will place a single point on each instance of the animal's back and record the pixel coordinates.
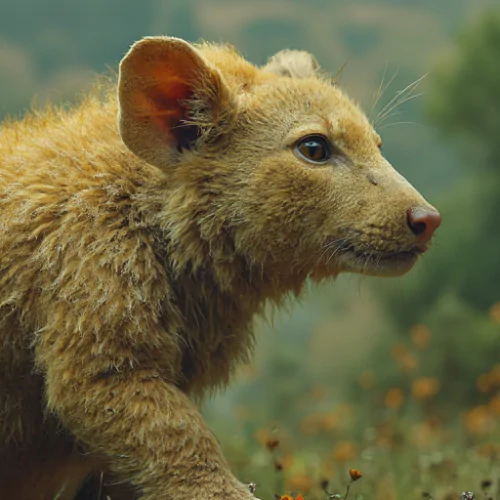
(59, 171)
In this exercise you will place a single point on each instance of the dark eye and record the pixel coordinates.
(314, 148)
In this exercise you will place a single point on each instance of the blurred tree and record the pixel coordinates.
(465, 102)
(459, 281)
(272, 35)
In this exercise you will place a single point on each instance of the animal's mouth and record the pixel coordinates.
(377, 263)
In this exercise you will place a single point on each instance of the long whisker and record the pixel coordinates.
(399, 98)
(327, 247)
(378, 94)
(398, 103)
(382, 90)
(340, 248)
(408, 89)
(399, 123)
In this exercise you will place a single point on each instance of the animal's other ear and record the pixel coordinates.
(170, 98)
(293, 63)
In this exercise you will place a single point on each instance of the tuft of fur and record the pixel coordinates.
(134, 257)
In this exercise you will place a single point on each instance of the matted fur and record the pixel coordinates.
(134, 257)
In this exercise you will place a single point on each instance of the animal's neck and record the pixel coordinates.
(217, 292)
(219, 323)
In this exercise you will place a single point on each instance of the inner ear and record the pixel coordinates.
(293, 63)
(166, 104)
(169, 97)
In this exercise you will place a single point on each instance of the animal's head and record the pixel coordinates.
(275, 164)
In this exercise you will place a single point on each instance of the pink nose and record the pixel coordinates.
(423, 222)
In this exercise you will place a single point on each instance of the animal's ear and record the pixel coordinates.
(293, 63)
(170, 99)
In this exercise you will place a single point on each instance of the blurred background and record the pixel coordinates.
(399, 378)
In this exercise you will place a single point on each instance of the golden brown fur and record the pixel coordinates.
(134, 257)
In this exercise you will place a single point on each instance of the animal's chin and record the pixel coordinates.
(376, 263)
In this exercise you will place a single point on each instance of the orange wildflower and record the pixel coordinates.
(494, 406)
(404, 358)
(394, 398)
(267, 438)
(425, 387)
(495, 312)
(330, 421)
(355, 474)
(299, 482)
(399, 351)
(491, 451)
(478, 420)
(420, 336)
(484, 382)
(495, 375)
(344, 451)
(272, 443)
(408, 363)
(287, 461)
(311, 424)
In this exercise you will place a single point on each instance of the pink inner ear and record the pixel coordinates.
(164, 103)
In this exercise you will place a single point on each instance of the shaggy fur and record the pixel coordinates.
(134, 257)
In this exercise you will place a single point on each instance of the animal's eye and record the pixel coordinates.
(314, 148)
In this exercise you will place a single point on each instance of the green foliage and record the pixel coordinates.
(455, 286)
(465, 101)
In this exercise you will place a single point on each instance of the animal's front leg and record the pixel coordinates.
(148, 431)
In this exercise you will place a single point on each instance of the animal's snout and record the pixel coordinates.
(423, 222)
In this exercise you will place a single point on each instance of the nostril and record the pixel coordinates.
(418, 228)
(423, 222)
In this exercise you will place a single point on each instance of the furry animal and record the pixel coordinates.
(134, 255)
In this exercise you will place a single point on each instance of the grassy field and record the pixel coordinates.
(292, 433)
(400, 456)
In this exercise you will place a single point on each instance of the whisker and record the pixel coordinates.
(399, 98)
(400, 123)
(343, 246)
(327, 247)
(408, 89)
(398, 103)
(378, 94)
(389, 83)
